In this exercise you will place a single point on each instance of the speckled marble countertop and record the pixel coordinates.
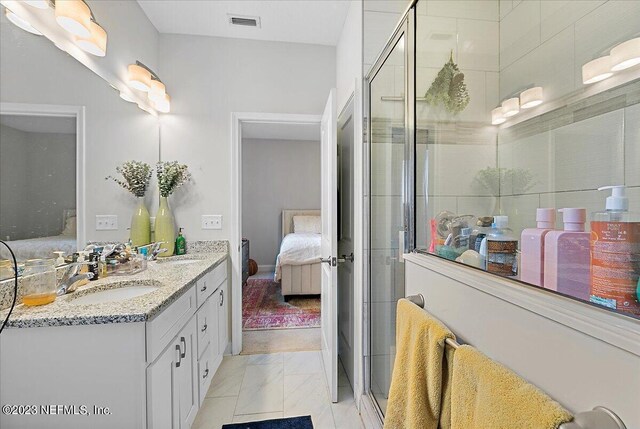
(172, 281)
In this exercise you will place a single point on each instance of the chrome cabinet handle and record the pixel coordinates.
(179, 356)
(206, 373)
(203, 288)
(184, 342)
(204, 328)
(221, 298)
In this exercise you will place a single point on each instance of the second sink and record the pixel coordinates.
(113, 295)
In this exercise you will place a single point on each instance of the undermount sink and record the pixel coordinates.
(113, 295)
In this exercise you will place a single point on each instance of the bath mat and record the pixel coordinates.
(288, 423)
(264, 307)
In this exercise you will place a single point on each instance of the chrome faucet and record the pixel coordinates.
(70, 278)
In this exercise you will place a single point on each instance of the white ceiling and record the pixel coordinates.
(271, 131)
(40, 124)
(309, 21)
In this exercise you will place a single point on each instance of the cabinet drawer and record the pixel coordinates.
(206, 370)
(162, 329)
(206, 322)
(210, 282)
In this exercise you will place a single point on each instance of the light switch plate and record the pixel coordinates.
(211, 222)
(106, 222)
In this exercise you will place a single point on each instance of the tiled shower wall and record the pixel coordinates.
(569, 153)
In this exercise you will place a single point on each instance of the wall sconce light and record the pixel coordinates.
(127, 97)
(139, 77)
(163, 105)
(596, 70)
(40, 4)
(510, 107)
(96, 43)
(20, 22)
(74, 16)
(531, 97)
(157, 91)
(625, 55)
(496, 116)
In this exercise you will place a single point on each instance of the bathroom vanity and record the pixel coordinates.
(144, 361)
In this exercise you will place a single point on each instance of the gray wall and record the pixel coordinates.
(37, 182)
(276, 175)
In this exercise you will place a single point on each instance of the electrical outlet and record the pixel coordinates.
(106, 222)
(211, 222)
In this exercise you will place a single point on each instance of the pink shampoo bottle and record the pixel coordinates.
(532, 247)
(567, 258)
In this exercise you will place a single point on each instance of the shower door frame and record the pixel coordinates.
(406, 27)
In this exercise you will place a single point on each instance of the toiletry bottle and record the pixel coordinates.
(94, 258)
(566, 256)
(615, 254)
(83, 258)
(483, 226)
(102, 266)
(181, 244)
(532, 247)
(501, 248)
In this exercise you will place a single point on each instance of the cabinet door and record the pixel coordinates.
(223, 317)
(162, 396)
(187, 374)
(214, 308)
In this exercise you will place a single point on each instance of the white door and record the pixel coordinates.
(329, 269)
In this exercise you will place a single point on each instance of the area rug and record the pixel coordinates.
(303, 422)
(264, 307)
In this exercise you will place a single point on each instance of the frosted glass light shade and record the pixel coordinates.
(19, 22)
(532, 97)
(157, 91)
(40, 4)
(625, 55)
(510, 107)
(163, 105)
(126, 97)
(74, 16)
(96, 43)
(496, 116)
(596, 70)
(139, 77)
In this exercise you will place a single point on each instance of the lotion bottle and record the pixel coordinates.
(500, 248)
(532, 247)
(566, 256)
(615, 254)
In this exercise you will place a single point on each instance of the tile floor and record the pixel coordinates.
(267, 386)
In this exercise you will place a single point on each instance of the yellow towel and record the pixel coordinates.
(416, 385)
(486, 395)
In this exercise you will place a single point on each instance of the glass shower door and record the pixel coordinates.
(391, 212)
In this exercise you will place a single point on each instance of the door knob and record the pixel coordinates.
(326, 260)
(347, 258)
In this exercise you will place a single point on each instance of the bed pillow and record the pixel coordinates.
(70, 227)
(307, 224)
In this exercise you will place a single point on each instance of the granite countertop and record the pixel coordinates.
(172, 281)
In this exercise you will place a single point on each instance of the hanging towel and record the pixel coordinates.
(487, 395)
(416, 385)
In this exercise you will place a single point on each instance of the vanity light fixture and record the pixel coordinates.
(127, 97)
(74, 16)
(40, 4)
(164, 105)
(496, 116)
(531, 97)
(139, 77)
(510, 107)
(596, 70)
(625, 55)
(20, 22)
(157, 91)
(96, 43)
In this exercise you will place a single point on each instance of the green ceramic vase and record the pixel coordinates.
(140, 225)
(165, 228)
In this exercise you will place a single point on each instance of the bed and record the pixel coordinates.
(43, 247)
(298, 263)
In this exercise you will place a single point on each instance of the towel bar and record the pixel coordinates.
(598, 418)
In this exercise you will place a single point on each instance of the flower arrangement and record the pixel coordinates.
(171, 176)
(135, 177)
(491, 178)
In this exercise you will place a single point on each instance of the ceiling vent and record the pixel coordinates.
(245, 21)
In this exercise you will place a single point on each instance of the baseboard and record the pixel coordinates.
(368, 414)
(266, 268)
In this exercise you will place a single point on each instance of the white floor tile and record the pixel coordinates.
(228, 378)
(302, 363)
(215, 412)
(261, 390)
(306, 394)
(265, 359)
(245, 418)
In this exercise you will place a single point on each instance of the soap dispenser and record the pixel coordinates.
(532, 247)
(566, 256)
(615, 254)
